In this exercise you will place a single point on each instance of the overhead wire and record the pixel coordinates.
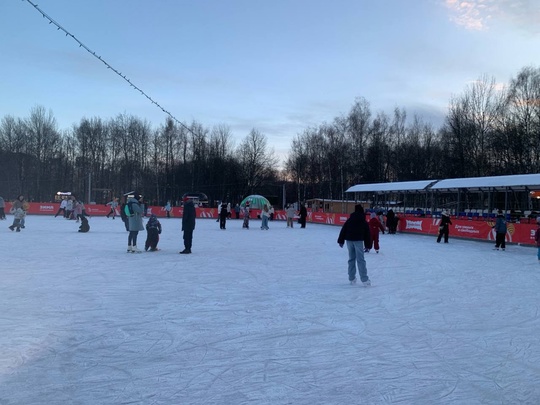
(109, 66)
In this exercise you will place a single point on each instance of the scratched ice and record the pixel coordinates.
(262, 317)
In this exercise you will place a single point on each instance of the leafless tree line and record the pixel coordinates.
(488, 130)
(125, 154)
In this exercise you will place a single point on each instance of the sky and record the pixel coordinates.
(262, 317)
(279, 66)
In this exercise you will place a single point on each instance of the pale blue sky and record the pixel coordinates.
(278, 66)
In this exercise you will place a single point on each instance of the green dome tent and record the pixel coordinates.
(255, 201)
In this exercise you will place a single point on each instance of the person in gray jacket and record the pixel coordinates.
(135, 222)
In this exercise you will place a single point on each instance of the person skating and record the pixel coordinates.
(113, 205)
(265, 216)
(188, 224)
(153, 230)
(500, 231)
(245, 212)
(135, 222)
(374, 227)
(303, 215)
(290, 212)
(355, 231)
(444, 227)
(223, 214)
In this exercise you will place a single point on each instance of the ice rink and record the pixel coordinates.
(262, 317)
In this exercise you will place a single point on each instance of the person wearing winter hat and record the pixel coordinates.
(188, 224)
(135, 222)
(355, 231)
(444, 227)
(374, 227)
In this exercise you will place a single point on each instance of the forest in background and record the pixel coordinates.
(489, 130)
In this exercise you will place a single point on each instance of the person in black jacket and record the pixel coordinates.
(188, 224)
(355, 231)
(303, 215)
(444, 227)
(223, 215)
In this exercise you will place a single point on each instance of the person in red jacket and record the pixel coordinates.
(374, 227)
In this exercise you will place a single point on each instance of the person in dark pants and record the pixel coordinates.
(153, 230)
(223, 213)
(444, 227)
(123, 215)
(500, 229)
(188, 224)
(303, 215)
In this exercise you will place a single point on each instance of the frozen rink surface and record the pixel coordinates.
(262, 317)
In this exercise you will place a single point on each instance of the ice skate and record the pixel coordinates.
(367, 283)
(352, 282)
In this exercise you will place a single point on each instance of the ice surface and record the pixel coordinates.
(262, 317)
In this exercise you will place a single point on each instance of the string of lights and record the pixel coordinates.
(81, 45)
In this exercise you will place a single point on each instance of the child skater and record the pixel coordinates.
(374, 227)
(18, 217)
(85, 226)
(153, 229)
(246, 216)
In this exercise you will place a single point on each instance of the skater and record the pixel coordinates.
(291, 212)
(85, 226)
(355, 231)
(237, 211)
(77, 210)
(245, 212)
(374, 227)
(223, 215)
(167, 209)
(113, 204)
(69, 208)
(272, 212)
(188, 224)
(391, 222)
(500, 231)
(2, 209)
(537, 238)
(123, 215)
(136, 209)
(229, 211)
(18, 220)
(62, 208)
(303, 215)
(153, 230)
(18, 217)
(444, 228)
(265, 216)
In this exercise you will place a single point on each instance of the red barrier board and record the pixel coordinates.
(482, 230)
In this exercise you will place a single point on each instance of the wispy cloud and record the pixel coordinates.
(479, 14)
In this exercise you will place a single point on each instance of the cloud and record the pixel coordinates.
(478, 14)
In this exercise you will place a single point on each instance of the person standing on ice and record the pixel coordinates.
(62, 208)
(303, 215)
(290, 212)
(245, 212)
(355, 231)
(265, 215)
(135, 222)
(537, 238)
(500, 231)
(374, 227)
(223, 213)
(188, 224)
(444, 227)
